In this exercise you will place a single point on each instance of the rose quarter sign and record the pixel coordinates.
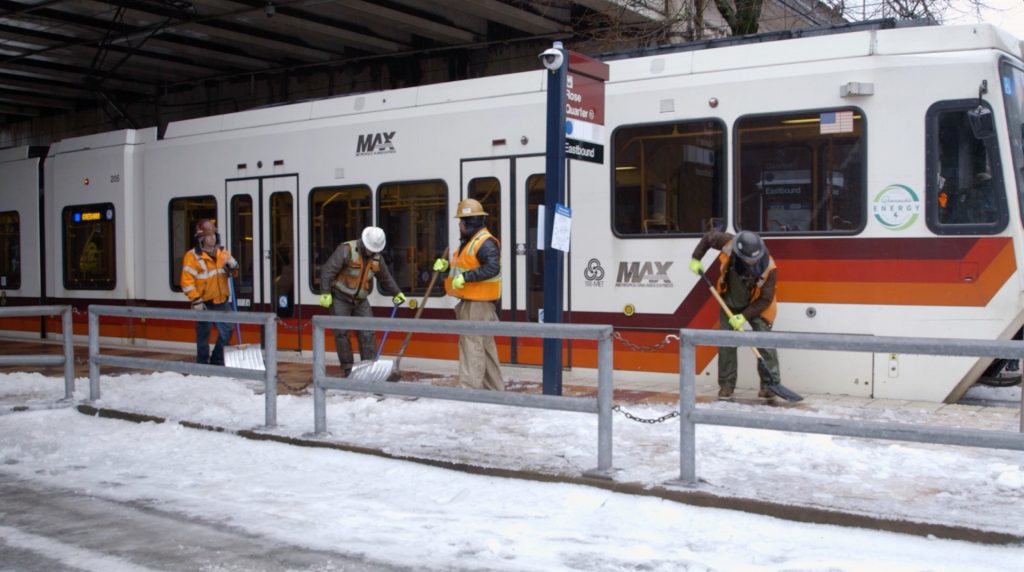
(584, 108)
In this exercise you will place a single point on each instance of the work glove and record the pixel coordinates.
(459, 281)
(231, 263)
(440, 265)
(399, 299)
(696, 267)
(326, 300)
(737, 321)
(198, 305)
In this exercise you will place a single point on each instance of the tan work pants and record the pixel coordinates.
(478, 355)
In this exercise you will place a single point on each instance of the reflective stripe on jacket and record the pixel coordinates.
(755, 289)
(465, 261)
(203, 277)
(354, 277)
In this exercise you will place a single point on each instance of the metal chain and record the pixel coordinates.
(639, 348)
(632, 417)
(296, 328)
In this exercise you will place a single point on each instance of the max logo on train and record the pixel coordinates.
(644, 275)
(375, 144)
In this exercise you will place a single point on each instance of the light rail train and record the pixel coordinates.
(883, 167)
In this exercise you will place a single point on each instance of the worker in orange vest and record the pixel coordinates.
(345, 282)
(475, 279)
(204, 280)
(747, 286)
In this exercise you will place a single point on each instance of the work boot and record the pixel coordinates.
(765, 393)
(725, 393)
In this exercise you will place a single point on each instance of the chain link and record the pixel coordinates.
(632, 417)
(639, 348)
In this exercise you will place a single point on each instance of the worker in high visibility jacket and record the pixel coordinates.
(747, 285)
(346, 281)
(475, 279)
(204, 279)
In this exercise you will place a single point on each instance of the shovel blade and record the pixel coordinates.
(244, 357)
(372, 371)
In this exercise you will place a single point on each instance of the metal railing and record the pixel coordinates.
(690, 416)
(602, 405)
(267, 376)
(67, 359)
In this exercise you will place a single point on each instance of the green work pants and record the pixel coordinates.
(727, 356)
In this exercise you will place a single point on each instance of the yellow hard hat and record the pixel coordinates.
(469, 207)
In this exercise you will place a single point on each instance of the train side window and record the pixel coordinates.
(1012, 84)
(487, 190)
(802, 172)
(90, 247)
(964, 189)
(669, 178)
(242, 240)
(337, 215)
(184, 213)
(10, 250)
(414, 216)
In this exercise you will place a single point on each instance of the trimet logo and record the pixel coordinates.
(375, 144)
(593, 274)
(896, 207)
(644, 275)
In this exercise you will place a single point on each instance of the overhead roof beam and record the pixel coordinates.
(508, 15)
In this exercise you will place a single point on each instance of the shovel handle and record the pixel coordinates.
(419, 310)
(234, 307)
(725, 308)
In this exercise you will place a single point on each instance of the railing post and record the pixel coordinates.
(94, 351)
(319, 372)
(69, 352)
(270, 381)
(687, 404)
(604, 408)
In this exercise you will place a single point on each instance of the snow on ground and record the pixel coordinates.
(426, 517)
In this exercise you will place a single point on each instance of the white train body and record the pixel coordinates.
(847, 152)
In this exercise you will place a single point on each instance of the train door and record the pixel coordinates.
(262, 235)
(503, 186)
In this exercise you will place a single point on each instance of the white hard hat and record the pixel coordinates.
(374, 239)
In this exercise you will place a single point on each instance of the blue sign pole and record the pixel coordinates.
(554, 193)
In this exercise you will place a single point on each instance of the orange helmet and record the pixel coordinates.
(469, 207)
(206, 227)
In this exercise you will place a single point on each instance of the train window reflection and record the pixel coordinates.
(669, 178)
(414, 216)
(801, 172)
(184, 214)
(241, 247)
(965, 184)
(337, 215)
(90, 247)
(10, 250)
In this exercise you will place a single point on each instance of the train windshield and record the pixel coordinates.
(1012, 84)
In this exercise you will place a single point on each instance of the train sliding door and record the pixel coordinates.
(502, 185)
(262, 237)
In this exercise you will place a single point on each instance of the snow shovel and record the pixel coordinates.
(378, 369)
(775, 386)
(241, 356)
(408, 336)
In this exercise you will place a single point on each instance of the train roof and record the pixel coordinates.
(100, 140)
(878, 38)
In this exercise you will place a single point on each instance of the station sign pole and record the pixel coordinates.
(575, 77)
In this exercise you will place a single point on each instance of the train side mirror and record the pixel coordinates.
(982, 122)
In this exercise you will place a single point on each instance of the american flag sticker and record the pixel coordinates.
(837, 122)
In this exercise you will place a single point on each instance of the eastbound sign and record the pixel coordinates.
(584, 108)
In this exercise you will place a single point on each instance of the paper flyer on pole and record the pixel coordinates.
(561, 228)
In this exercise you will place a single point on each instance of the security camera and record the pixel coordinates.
(551, 58)
(270, 10)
